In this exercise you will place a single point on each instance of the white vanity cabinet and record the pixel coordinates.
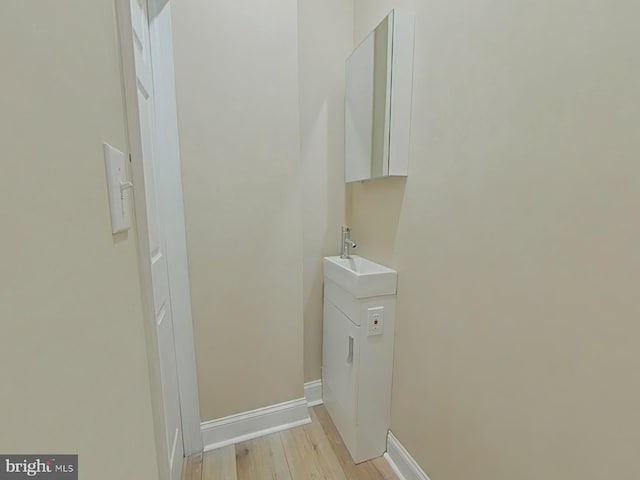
(357, 360)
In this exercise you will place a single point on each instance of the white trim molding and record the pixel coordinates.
(253, 424)
(313, 392)
(402, 464)
(170, 180)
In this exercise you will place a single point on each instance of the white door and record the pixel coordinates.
(157, 258)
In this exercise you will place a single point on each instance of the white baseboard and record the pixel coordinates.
(313, 392)
(402, 464)
(253, 424)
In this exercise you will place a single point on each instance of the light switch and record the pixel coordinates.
(375, 321)
(118, 186)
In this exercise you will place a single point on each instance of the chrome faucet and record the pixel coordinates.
(346, 242)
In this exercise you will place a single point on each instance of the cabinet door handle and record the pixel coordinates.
(350, 356)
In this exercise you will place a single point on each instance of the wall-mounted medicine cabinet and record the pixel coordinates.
(379, 82)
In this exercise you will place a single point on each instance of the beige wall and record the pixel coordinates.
(237, 91)
(516, 240)
(73, 367)
(325, 40)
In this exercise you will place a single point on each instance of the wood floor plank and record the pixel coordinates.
(327, 458)
(244, 461)
(362, 471)
(194, 468)
(186, 469)
(255, 461)
(310, 452)
(278, 457)
(220, 464)
(300, 455)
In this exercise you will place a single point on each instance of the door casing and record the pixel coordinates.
(171, 184)
(172, 212)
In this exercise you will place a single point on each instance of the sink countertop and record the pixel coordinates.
(361, 277)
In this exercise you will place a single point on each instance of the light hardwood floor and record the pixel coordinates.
(313, 451)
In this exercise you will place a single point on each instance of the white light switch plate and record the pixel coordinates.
(375, 321)
(118, 186)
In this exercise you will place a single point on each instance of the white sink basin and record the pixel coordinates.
(360, 277)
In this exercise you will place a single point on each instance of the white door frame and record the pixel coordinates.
(171, 185)
(171, 203)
